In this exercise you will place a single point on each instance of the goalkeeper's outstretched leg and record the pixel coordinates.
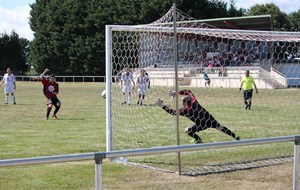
(215, 124)
(196, 113)
(191, 131)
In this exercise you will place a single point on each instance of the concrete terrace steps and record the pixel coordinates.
(194, 77)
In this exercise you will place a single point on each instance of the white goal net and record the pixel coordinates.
(224, 55)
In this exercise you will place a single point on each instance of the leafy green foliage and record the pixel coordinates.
(13, 53)
(295, 21)
(70, 35)
(281, 22)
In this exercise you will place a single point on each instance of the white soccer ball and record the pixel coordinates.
(103, 94)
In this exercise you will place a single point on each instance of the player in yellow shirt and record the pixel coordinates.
(247, 84)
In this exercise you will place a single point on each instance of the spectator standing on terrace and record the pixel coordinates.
(221, 71)
(206, 80)
(247, 84)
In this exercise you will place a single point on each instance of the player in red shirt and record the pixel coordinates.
(50, 90)
(196, 113)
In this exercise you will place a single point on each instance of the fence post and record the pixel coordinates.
(98, 169)
(296, 163)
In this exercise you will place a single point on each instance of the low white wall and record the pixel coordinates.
(232, 79)
(215, 82)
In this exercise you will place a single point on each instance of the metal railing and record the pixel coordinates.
(99, 156)
(65, 78)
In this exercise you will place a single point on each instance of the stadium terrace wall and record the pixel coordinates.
(291, 71)
(193, 77)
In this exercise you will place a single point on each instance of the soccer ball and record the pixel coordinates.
(103, 94)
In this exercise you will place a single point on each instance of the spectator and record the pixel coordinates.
(206, 80)
(221, 71)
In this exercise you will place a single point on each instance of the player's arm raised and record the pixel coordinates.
(160, 103)
(43, 73)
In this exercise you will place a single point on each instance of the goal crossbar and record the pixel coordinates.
(251, 35)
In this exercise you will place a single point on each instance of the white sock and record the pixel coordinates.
(129, 99)
(14, 99)
(124, 98)
(6, 99)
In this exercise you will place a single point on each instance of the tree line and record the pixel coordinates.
(69, 35)
(14, 52)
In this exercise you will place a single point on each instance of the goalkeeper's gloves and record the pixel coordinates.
(171, 92)
(159, 102)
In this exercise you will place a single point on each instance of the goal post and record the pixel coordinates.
(108, 85)
(222, 54)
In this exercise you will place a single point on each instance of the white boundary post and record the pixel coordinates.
(98, 170)
(296, 163)
(108, 57)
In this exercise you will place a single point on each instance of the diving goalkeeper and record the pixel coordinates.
(196, 113)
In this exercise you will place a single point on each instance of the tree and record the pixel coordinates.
(70, 34)
(233, 12)
(13, 53)
(203, 9)
(294, 19)
(281, 22)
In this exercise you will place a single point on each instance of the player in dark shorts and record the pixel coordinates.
(247, 84)
(196, 113)
(247, 97)
(50, 90)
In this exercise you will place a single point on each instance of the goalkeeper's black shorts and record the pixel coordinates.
(208, 121)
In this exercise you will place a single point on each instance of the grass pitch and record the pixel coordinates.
(81, 129)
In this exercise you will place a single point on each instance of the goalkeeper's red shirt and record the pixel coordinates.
(50, 88)
(195, 112)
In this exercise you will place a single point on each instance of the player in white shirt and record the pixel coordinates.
(126, 80)
(10, 85)
(142, 83)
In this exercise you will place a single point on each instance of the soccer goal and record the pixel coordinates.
(224, 55)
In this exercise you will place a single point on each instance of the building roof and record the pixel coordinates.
(252, 28)
(261, 22)
(257, 22)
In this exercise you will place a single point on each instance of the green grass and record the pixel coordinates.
(81, 129)
(274, 113)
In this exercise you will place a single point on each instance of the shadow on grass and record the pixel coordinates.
(65, 119)
(19, 104)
